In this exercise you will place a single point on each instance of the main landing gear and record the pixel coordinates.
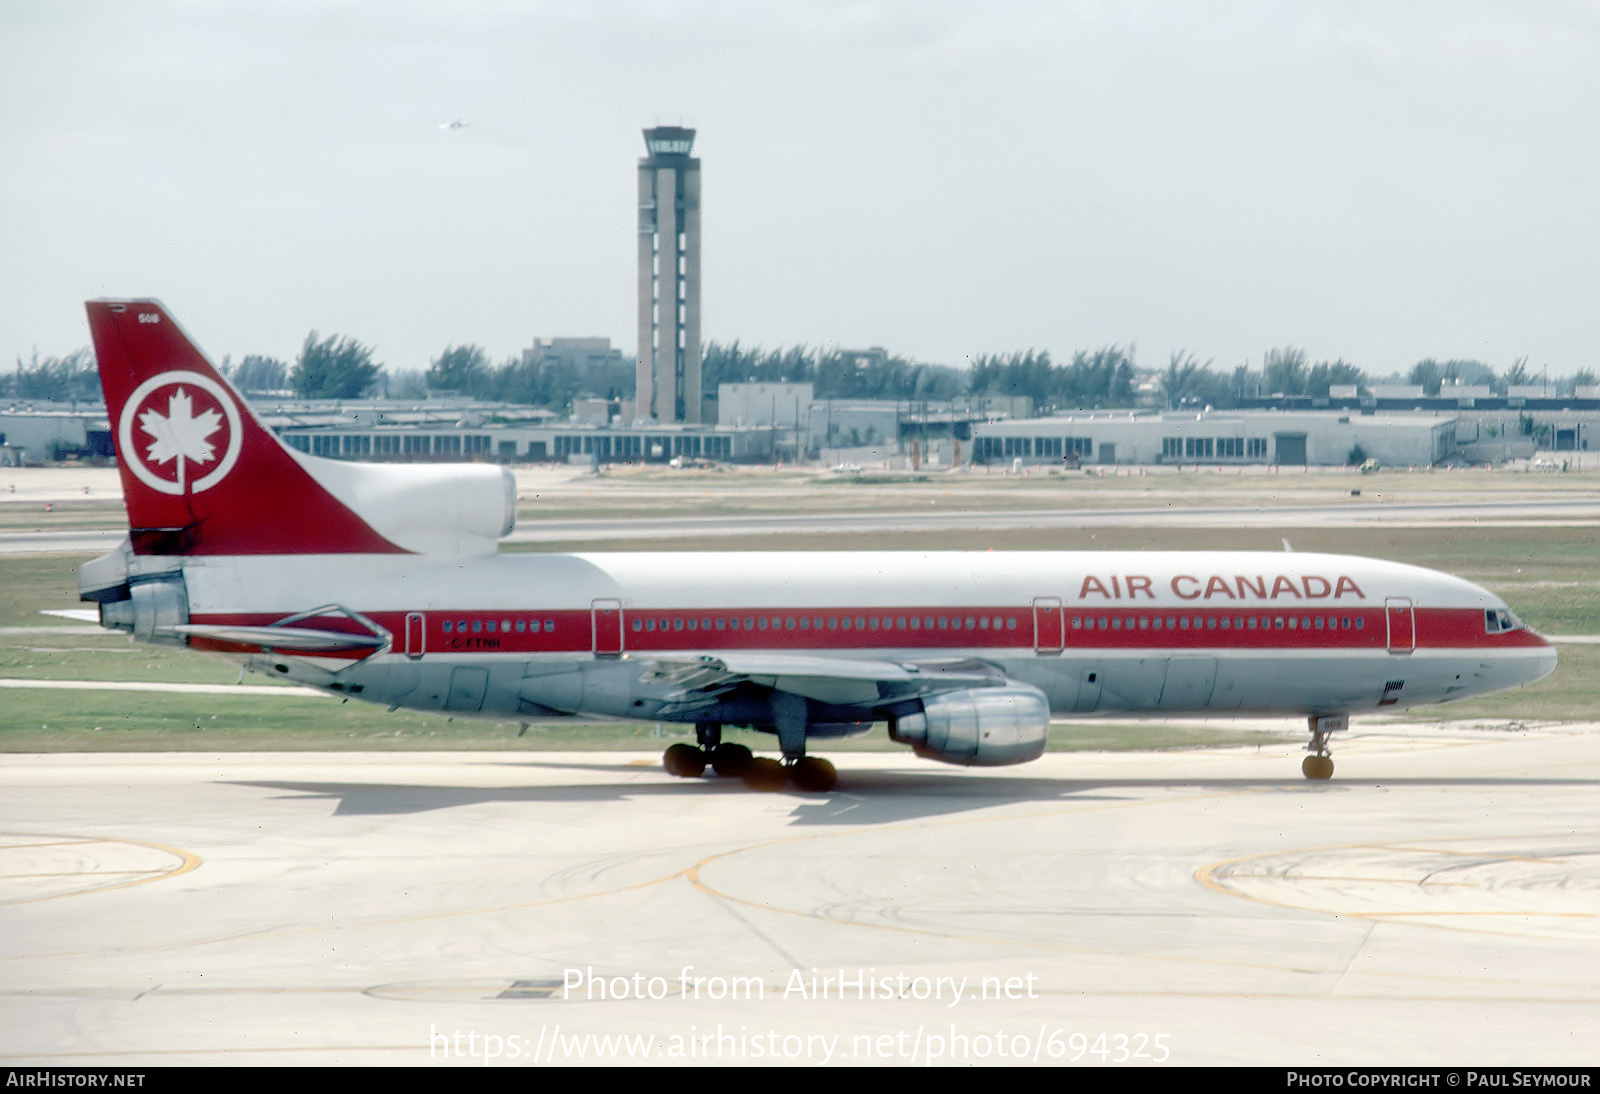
(690, 761)
(809, 773)
(1319, 765)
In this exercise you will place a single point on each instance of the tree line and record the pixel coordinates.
(340, 367)
(337, 367)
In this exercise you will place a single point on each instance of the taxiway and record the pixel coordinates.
(1437, 903)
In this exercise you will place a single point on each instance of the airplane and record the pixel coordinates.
(456, 124)
(383, 582)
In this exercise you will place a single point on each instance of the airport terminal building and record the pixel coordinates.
(1229, 437)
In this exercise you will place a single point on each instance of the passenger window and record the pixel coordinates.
(549, 626)
(447, 626)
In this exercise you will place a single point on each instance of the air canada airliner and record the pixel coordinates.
(383, 582)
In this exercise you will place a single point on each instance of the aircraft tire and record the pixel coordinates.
(766, 774)
(731, 760)
(1317, 767)
(814, 774)
(684, 761)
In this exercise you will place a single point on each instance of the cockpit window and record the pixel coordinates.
(1500, 620)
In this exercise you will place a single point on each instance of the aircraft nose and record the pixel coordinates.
(1543, 663)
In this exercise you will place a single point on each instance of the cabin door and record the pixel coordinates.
(416, 635)
(605, 618)
(1048, 635)
(1402, 624)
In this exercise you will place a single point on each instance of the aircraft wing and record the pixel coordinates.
(839, 680)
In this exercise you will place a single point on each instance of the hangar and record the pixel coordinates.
(1229, 437)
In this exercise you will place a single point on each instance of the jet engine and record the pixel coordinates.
(979, 727)
(140, 594)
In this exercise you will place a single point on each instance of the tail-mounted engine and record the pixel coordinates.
(979, 727)
(143, 595)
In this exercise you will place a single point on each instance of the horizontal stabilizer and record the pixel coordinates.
(77, 615)
(283, 638)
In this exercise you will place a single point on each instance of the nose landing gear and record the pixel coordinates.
(1319, 765)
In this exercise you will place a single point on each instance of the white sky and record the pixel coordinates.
(1379, 181)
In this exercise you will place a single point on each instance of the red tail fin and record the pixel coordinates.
(200, 473)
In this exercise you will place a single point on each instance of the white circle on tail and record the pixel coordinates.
(169, 429)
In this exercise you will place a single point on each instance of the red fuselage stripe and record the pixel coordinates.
(1073, 630)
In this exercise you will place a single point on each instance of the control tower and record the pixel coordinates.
(669, 278)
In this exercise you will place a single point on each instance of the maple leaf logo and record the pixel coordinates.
(180, 434)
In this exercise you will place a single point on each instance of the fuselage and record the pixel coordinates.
(1098, 632)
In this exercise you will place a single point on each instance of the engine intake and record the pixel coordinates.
(979, 727)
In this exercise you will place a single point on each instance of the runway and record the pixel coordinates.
(686, 525)
(1437, 903)
(1410, 514)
